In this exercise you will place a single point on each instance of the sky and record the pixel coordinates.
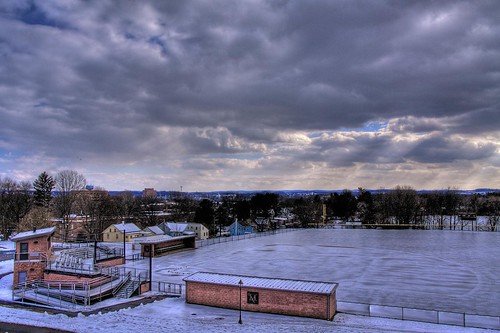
(252, 94)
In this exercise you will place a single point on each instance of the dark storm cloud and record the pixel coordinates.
(138, 81)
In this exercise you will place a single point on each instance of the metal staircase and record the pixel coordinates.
(128, 289)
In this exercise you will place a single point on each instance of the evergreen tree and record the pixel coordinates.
(43, 187)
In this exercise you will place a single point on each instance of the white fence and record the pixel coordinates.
(428, 316)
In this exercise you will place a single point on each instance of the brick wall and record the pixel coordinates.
(64, 277)
(112, 262)
(144, 288)
(40, 244)
(301, 304)
(33, 269)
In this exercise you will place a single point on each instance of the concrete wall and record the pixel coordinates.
(322, 306)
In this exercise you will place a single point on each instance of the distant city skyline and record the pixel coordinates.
(252, 95)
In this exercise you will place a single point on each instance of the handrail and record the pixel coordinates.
(121, 284)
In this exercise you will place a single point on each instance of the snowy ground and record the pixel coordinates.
(450, 271)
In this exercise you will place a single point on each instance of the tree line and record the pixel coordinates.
(24, 205)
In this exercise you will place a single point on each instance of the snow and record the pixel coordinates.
(129, 228)
(444, 270)
(259, 282)
(32, 234)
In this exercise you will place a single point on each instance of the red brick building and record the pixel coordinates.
(280, 296)
(33, 248)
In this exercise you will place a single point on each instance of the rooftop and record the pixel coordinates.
(33, 234)
(263, 282)
(128, 227)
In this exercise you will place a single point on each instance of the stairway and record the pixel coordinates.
(127, 289)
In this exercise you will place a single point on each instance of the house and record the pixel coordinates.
(262, 223)
(33, 249)
(154, 230)
(115, 232)
(173, 229)
(240, 228)
(199, 230)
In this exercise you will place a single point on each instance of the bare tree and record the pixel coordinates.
(67, 183)
(404, 204)
(38, 217)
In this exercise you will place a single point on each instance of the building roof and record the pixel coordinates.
(152, 239)
(177, 227)
(155, 230)
(33, 234)
(264, 283)
(241, 223)
(159, 239)
(130, 228)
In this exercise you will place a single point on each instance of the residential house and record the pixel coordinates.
(199, 230)
(154, 231)
(262, 223)
(240, 228)
(115, 232)
(174, 229)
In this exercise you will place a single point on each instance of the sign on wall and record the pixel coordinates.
(252, 297)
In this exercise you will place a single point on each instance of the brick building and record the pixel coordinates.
(280, 296)
(33, 249)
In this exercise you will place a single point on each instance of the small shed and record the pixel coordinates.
(33, 249)
(259, 294)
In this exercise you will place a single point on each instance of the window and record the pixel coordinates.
(23, 252)
(116, 236)
(107, 236)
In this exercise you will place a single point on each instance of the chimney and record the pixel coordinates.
(34, 229)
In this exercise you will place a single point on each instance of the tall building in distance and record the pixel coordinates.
(149, 193)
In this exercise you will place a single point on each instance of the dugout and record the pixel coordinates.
(258, 294)
(163, 246)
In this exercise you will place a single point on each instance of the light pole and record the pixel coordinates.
(240, 284)
(150, 267)
(124, 244)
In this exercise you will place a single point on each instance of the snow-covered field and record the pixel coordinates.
(441, 270)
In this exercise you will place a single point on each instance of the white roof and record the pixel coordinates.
(156, 230)
(151, 239)
(33, 234)
(128, 227)
(264, 283)
(177, 227)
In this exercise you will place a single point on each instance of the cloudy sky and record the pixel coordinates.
(252, 95)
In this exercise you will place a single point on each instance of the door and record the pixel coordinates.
(21, 277)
